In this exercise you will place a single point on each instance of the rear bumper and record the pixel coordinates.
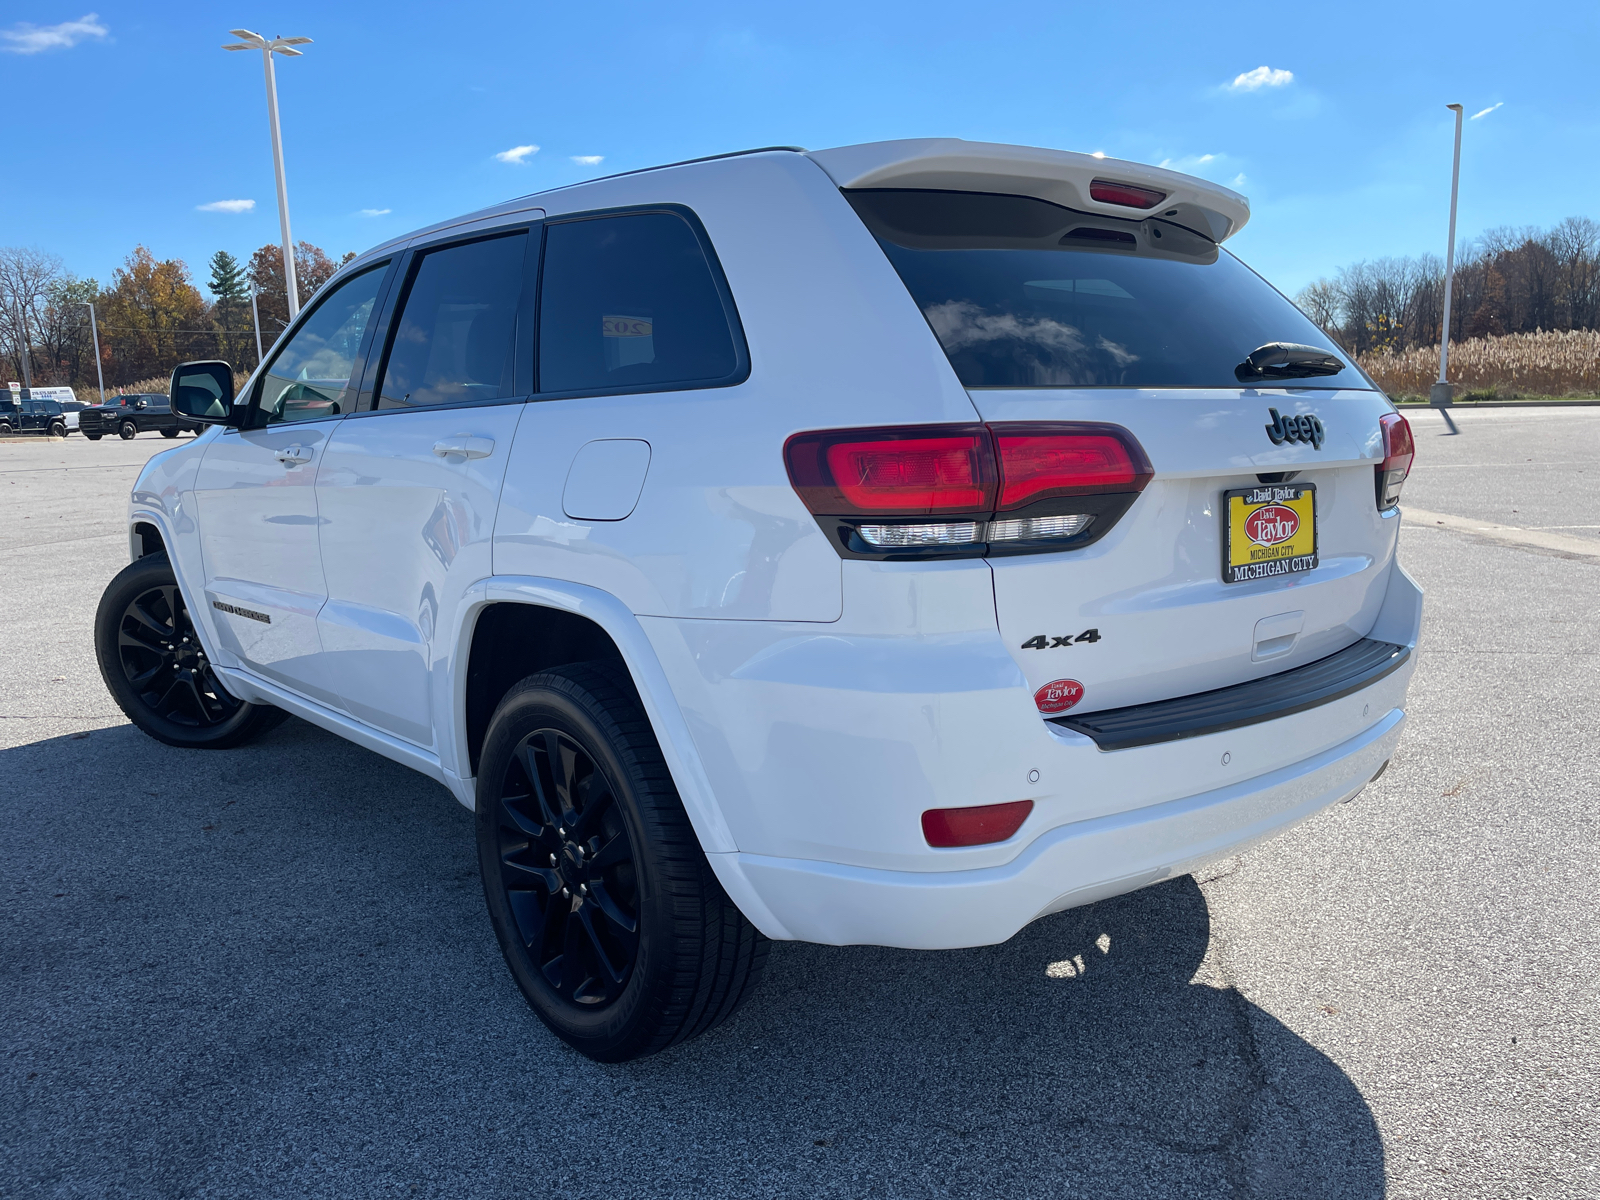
(1064, 867)
(823, 748)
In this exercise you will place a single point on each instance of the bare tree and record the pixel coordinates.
(1576, 246)
(62, 341)
(1320, 301)
(26, 277)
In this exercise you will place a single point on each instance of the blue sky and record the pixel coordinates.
(132, 118)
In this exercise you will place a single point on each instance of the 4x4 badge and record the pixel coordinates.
(1046, 641)
(1295, 429)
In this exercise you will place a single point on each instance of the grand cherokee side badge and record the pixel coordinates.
(1295, 429)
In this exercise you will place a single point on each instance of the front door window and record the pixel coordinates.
(311, 376)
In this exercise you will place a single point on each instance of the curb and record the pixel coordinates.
(1470, 405)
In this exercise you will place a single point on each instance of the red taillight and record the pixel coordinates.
(1126, 194)
(1398, 450)
(914, 474)
(1050, 482)
(974, 826)
(1036, 464)
(904, 471)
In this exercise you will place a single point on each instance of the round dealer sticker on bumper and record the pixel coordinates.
(1059, 696)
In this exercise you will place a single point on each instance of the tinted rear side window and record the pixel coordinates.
(457, 327)
(1024, 293)
(630, 302)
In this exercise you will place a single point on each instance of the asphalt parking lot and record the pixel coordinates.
(267, 972)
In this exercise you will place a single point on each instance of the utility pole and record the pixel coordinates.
(94, 331)
(284, 46)
(27, 354)
(1439, 395)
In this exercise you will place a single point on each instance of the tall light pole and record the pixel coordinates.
(284, 46)
(94, 331)
(1439, 393)
(255, 319)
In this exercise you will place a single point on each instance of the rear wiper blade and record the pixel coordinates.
(1286, 360)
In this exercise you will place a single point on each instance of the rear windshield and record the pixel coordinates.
(1024, 293)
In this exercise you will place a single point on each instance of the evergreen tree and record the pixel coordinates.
(227, 279)
(229, 286)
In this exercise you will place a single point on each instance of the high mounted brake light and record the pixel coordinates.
(1000, 488)
(1399, 449)
(1126, 194)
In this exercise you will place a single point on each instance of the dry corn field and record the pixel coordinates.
(1539, 364)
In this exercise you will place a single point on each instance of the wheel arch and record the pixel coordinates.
(516, 626)
(144, 538)
(511, 641)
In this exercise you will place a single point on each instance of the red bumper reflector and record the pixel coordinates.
(1108, 192)
(974, 826)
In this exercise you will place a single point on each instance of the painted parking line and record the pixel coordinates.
(1511, 535)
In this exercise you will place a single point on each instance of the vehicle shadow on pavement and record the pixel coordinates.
(268, 972)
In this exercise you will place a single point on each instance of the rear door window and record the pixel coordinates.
(455, 339)
(632, 302)
(1024, 293)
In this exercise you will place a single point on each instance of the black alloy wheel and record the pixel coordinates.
(5, 429)
(567, 867)
(58, 430)
(127, 431)
(156, 669)
(606, 909)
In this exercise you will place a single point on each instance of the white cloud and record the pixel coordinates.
(233, 206)
(1487, 111)
(1254, 81)
(588, 160)
(517, 155)
(1188, 163)
(31, 39)
(374, 212)
(1238, 181)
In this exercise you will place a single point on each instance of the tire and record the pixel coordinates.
(127, 431)
(169, 433)
(58, 431)
(5, 429)
(564, 878)
(94, 437)
(173, 695)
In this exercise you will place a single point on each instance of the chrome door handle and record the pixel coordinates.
(293, 456)
(466, 447)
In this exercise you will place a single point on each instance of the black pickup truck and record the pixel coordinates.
(129, 416)
(32, 416)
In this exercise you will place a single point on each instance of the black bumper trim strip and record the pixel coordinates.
(1265, 699)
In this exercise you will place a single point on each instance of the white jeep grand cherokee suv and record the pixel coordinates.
(889, 544)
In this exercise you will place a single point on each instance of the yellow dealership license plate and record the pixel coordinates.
(1271, 530)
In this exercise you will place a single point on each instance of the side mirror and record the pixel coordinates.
(203, 391)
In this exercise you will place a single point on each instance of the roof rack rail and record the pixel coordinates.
(681, 163)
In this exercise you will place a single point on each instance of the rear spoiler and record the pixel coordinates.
(1059, 176)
